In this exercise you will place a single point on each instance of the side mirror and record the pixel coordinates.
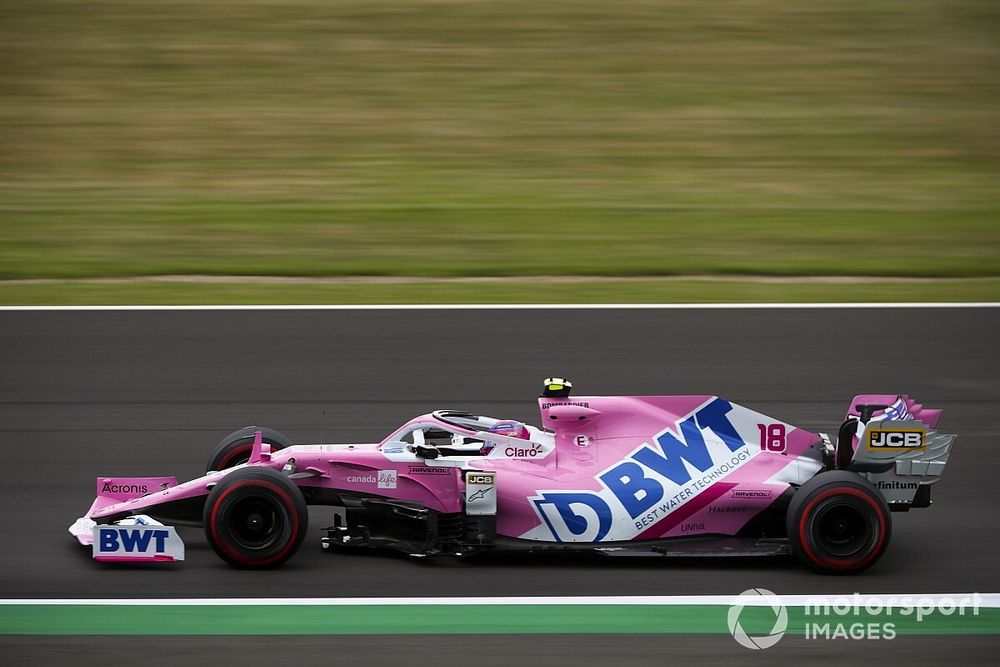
(396, 444)
(425, 452)
(570, 413)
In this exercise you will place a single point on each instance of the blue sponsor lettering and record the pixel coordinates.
(109, 539)
(669, 461)
(135, 538)
(132, 540)
(577, 524)
(636, 492)
(713, 418)
(161, 538)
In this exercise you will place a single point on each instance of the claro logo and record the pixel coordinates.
(523, 452)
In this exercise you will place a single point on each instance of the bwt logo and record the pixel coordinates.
(131, 541)
(886, 439)
(652, 482)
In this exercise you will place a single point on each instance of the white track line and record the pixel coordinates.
(990, 600)
(522, 306)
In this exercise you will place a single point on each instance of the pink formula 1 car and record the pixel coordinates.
(670, 475)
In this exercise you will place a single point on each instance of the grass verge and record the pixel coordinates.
(391, 619)
(499, 137)
(515, 291)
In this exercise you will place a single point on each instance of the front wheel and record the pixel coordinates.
(255, 518)
(235, 448)
(839, 523)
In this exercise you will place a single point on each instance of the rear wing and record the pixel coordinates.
(878, 407)
(892, 441)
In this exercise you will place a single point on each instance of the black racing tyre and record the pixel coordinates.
(235, 448)
(255, 518)
(839, 523)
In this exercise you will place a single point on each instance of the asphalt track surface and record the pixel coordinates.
(134, 393)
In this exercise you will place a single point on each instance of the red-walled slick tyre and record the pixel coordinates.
(839, 523)
(255, 518)
(235, 448)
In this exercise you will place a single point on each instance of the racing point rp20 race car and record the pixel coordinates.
(620, 475)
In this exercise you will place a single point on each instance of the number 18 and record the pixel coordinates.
(772, 437)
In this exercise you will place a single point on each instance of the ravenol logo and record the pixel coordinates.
(651, 483)
(757, 597)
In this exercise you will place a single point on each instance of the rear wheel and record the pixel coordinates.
(839, 523)
(255, 518)
(235, 448)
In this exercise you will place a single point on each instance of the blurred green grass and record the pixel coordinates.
(501, 137)
(652, 290)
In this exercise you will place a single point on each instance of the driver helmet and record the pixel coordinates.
(511, 429)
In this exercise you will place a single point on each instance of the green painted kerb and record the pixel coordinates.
(70, 619)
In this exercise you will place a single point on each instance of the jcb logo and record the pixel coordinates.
(479, 479)
(886, 439)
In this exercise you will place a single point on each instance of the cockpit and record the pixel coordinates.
(455, 433)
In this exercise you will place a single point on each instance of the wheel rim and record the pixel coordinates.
(842, 529)
(236, 457)
(257, 522)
